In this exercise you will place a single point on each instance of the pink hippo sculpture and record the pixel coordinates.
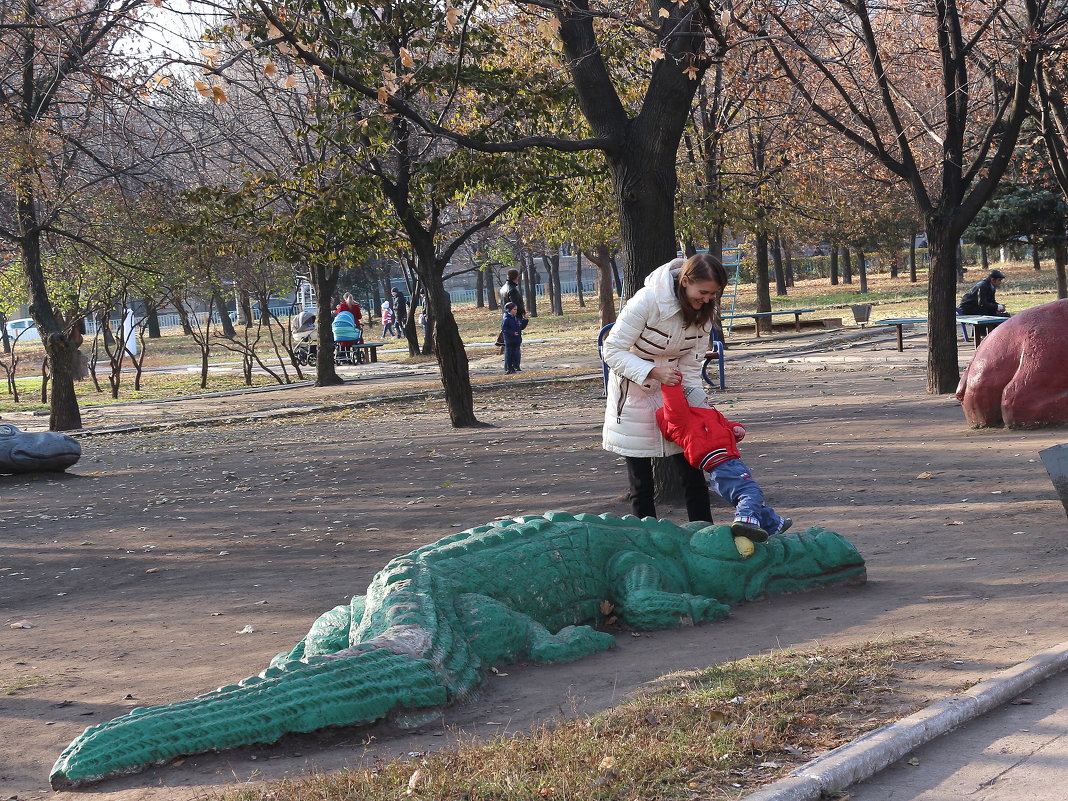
(1019, 375)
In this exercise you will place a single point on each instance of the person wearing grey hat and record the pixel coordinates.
(980, 299)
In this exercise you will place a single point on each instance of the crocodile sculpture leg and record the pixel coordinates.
(647, 604)
(331, 632)
(497, 633)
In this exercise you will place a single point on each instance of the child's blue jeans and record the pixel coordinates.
(731, 480)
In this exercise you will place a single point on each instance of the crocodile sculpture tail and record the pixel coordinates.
(357, 686)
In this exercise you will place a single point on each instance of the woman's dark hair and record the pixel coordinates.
(700, 267)
(513, 274)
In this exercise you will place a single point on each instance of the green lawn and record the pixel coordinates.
(898, 297)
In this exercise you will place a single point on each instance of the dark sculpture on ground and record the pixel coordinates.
(434, 621)
(1019, 374)
(29, 452)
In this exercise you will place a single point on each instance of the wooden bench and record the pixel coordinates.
(756, 316)
(361, 352)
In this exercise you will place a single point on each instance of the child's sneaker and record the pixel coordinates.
(784, 525)
(749, 527)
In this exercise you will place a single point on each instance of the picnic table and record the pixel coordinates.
(900, 323)
(758, 315)
(982, 324)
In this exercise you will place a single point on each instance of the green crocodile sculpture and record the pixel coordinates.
(434, 621)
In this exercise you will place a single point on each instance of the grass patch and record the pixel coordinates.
(574, 332)
(154, 386)
(11, 685)
(710, 733)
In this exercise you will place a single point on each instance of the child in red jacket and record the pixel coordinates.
(709, 441)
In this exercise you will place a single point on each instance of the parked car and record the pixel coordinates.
(22, 330)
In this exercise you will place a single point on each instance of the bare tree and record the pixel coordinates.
(79, 123)
(944, 119)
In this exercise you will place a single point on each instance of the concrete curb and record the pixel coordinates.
(862, 758)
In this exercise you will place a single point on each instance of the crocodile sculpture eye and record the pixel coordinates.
(8, 430)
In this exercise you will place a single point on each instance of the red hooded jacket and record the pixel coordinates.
(706, 436)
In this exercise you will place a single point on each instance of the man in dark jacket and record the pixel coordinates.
(980, 298)
(510, 293)
(400, 311)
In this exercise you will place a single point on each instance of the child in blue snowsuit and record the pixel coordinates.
(512, 332)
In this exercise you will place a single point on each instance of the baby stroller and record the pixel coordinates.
(347, 334)
(305, 338)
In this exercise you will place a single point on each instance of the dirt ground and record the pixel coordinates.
(139, 570)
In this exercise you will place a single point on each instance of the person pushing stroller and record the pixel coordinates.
(710, 442)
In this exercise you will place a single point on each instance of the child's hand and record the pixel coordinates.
(739, 433)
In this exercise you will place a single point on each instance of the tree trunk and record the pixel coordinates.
(644, 183)
(429, 344)
(763, 286)
(847, 267)
(788, 263)
(943, 372)
(103, 325)
(552, 267)
(1036, 257)
(224, 315)
(530, 283)
(834, 265)
(776, 260)
(452, 357)
(606, 305)
(59, 348)
(480, 289)
(550, 290)
(411, 325)
(862, 271)
(153, 322)
(578, 280)
(493, 290)
(324, 283)
(642, 149)
(183, 315)
(984, 258)
(245, 317)
(1060, 258)
(912, 258)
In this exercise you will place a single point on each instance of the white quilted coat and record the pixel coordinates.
(649, 333)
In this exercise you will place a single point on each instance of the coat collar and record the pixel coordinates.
(661, 284)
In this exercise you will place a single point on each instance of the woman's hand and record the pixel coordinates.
(668, 376)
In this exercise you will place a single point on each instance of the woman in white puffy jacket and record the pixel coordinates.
(659, 338)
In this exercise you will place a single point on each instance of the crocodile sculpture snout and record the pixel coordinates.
(36, 452)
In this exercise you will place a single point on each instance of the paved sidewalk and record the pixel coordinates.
(1017, 752)
(1005, 739)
